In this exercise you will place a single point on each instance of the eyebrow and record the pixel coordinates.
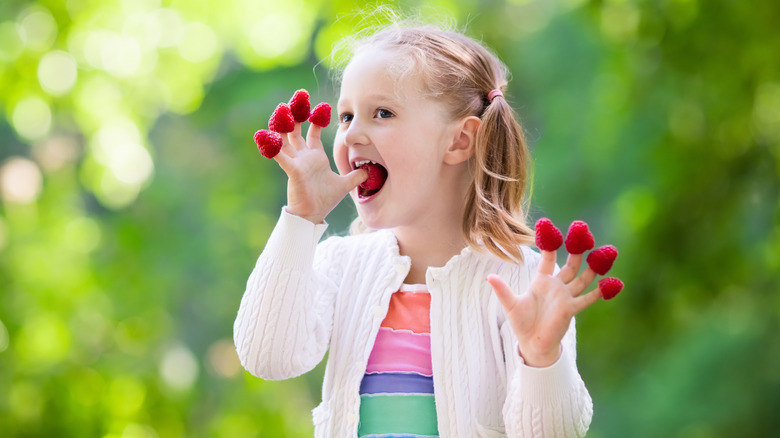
(390, 99)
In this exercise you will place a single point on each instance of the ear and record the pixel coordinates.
(463, 141)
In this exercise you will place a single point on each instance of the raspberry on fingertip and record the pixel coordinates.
(579, 238)
(269, 143)
(548, 236)
(282, 120)
(609, 287)
(601, 259)
(320, 115)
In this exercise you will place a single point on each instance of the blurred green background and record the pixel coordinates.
(134, 203)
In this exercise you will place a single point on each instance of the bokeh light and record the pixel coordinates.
(43, 340)
(223, 359)
(179, 368)
(82, 234)
(117, 147)
(32, 118)
(56, 151)
(57, 72)
(37, 28)
(20, 180)
(198, 42)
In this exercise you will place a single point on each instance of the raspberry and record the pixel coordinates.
(376, 177)
(320, 115)
(610, 286)
(579, 239)
(300, 106)
(600, 259)
(269, 143)
(282, 120)
(548, 237)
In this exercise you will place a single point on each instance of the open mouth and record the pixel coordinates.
(377, 175)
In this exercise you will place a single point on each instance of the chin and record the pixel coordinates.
(370, 220)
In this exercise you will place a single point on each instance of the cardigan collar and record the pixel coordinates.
(466, 256)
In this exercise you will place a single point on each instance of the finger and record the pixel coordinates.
(583, 302)
(547, 265)
(313, 137)
(572, 267)
(578, 285)
(354, 178)
(284, 160)
(504, 294)
(295, 139)
(287, 148)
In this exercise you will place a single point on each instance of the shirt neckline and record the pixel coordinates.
(406, 287)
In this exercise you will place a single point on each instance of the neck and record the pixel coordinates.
(434, 239)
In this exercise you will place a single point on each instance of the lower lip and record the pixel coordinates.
(363, 200)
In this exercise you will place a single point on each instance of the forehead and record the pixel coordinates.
(382, 71)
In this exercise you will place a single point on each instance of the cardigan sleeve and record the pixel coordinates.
(545, 402)
(284, 322)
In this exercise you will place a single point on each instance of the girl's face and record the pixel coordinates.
(390, 122)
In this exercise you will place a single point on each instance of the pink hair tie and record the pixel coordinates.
(492, 95)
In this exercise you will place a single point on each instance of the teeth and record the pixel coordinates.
(362, 162)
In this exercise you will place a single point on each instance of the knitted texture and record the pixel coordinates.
(303, 299)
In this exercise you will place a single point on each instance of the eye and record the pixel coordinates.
(383, 113)
(345, 117)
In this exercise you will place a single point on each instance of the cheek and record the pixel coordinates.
(341, 156)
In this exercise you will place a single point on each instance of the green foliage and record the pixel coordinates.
(134, 203)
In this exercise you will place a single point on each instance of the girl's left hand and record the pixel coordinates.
(541, 316)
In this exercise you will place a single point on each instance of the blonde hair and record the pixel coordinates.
(461, 72)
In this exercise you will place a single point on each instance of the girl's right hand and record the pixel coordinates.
(313, 189)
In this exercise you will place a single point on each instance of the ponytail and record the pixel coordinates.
(495, 205)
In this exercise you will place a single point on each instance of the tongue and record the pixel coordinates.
(376, 178)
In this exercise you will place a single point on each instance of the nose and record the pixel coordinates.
(356, 134)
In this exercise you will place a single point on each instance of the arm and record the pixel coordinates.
(286, 315)
(283, 324)
(546, 395)
(545, 402)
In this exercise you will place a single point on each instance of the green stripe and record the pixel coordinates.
(412, 414)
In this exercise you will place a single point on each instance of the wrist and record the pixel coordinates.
(540, 359)
(313, 218)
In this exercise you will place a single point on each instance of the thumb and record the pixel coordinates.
(504, 294)
(355, 178)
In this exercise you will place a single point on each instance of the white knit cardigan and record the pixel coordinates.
(304, 298)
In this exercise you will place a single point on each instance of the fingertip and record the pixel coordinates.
(314, 130)
(576, 258)
(547, 264)
(355, 177)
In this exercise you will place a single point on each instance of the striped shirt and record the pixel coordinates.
(396, 394)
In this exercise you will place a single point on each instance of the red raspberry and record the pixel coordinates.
(579, 239)
(320, 115)
(300, 106)
(269, 143)
(548, 237)
(282, 120)
(610, 286)
(600, 259)
(376, 177)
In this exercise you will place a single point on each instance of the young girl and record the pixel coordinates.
(439, 319)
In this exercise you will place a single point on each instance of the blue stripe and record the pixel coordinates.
(408, 383)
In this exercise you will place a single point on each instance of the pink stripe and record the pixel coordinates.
(400, 351)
